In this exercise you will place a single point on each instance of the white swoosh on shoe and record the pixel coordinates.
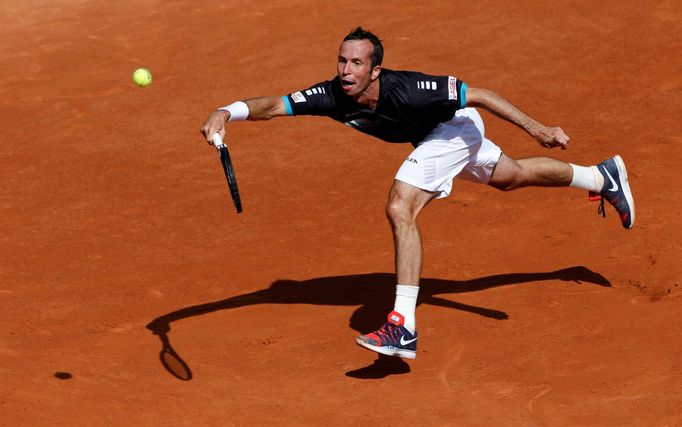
(403, 342)
(614, 184)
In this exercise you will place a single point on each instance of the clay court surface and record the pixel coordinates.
(118, 238)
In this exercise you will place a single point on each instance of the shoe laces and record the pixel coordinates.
(387, 331)
(601, 209)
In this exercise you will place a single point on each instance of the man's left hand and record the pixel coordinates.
(552, 137)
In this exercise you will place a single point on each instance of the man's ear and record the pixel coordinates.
(375, 72)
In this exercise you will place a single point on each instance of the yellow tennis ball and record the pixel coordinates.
(142, 77)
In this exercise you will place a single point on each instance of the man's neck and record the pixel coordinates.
(370, 96)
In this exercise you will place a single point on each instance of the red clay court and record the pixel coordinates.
(119, 240)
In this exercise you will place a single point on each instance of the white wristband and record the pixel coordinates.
(238, 111)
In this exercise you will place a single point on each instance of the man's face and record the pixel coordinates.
(355, 66)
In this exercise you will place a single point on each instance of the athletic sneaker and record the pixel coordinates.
(616, 190)
(392, 339)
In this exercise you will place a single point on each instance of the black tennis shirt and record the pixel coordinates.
(410, 104)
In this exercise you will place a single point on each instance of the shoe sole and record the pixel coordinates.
(389, 351)
(623, 180)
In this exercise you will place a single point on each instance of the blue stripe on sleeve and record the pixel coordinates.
(287, 105)
(463, 95)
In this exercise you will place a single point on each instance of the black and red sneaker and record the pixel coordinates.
(392, 339)
(616, 190)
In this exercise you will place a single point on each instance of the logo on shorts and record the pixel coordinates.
(412, 160)
(452, 88)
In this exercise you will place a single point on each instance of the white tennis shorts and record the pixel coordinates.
(457, 147)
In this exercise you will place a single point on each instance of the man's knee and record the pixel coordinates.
(405, 201)
(507, 175)
(398, 210)
(507, 185)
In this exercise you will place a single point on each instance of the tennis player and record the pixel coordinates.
(437, 115)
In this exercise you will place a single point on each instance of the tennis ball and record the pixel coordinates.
(142, 77)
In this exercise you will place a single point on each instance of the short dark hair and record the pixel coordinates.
(377, 48)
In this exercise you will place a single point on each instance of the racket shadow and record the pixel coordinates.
(373, 294)
(172, 361)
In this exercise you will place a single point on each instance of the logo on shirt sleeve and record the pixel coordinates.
(452, 88)
(315, 91)
(298, 97)
(429, 85)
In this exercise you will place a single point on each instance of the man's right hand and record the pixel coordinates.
(214, 123)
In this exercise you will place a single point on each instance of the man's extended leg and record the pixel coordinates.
(398, 337)
(608, 178)
(536, 171)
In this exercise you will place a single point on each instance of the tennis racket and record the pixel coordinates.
(229, 171)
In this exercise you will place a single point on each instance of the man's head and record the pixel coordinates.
(359, 62)
(377, 48)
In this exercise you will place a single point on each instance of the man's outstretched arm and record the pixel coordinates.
(264, 108)
(547, 136)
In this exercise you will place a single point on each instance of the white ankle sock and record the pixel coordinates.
(588, 178)
(406, 303)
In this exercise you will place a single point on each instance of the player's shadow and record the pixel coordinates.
(373, 293)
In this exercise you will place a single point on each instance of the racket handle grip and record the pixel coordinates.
(217, 141)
